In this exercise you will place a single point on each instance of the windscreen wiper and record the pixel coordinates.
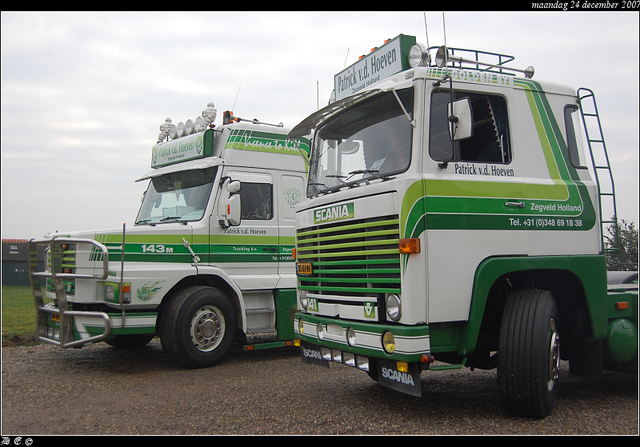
(361, 171)
(176, 218)
(145, 221)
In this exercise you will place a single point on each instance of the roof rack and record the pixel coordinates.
(449, 57)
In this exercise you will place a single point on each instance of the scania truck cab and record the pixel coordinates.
(453, 216)
(208, 261)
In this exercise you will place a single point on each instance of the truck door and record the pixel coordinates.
(290, 188)
(249, 252)
(475, 193)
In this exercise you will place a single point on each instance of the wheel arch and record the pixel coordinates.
(218, 281)
(574, 282)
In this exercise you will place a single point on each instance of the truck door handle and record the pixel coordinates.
(270, 249)
(518, 204)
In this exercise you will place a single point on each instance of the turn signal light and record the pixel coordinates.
(427, 359)
(409, 245)
(620, 305)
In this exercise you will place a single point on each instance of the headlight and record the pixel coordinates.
(109, 293)
(388, 342)
(394, 306)
(351, 337)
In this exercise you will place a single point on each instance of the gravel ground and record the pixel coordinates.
(99, 390)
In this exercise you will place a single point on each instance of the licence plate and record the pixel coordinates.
(304, 268)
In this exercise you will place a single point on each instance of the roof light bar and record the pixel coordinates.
(171, 131)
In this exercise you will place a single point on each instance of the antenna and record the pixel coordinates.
(235, 100)
(444, 30)
(426, 31)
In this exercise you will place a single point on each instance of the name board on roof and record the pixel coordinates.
(389, 59)
(182, 149)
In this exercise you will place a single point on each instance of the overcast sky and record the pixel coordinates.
(84, 94)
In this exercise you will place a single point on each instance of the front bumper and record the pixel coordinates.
(362, 345)
(412, 343)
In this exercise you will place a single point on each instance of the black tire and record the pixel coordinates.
(528, 354)
(198, 327)
(131, 341)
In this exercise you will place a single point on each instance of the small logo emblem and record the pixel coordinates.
(369, 310)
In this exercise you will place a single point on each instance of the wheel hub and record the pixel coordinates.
(207, 328)
(554, 355)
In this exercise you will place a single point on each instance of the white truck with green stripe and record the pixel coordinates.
(451, 219)
(209, 260)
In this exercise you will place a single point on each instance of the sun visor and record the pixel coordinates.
(306, 126)
(185, 166)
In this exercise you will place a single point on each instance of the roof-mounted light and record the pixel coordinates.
(167, 129)
(419, 56)
(199, 125)
(173, 133)
(189, 127)
(180, 130)
(442, 56)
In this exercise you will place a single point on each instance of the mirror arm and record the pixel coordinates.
(412, 122)
(445, 164)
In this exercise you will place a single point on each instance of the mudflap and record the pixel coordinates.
(404, 382)
(312, 355)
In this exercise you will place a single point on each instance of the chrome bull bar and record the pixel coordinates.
(58, 276)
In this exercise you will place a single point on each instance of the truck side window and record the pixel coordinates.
(572, 126)
(257, 201)
(490, 142)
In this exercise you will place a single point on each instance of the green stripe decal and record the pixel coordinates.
(214, 249)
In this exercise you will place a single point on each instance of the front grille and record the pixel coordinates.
(351, 259)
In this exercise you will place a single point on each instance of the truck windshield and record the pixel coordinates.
(370, 140)
(177, 197)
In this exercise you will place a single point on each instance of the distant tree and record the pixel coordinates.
(626, 259)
